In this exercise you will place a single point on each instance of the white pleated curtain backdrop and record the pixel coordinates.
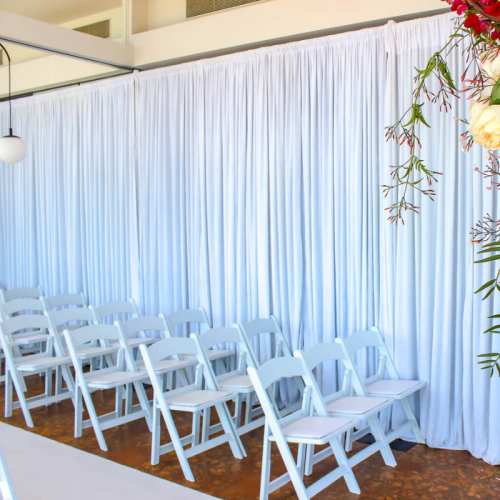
(431, 319)
(239, 160)
(250, 184)
(69, 210)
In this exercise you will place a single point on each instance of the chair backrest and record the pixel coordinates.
(187, 316)
(175, 348)
(102, 334)
(22, 322)
(8, 309)
(273, 371)
(80, 314)
(134, 326)
(252, 329)
(65, 300)
(92, 333)
(21, 293)
(334, 351)
(223, 335)
(119, 307)
(372, 338)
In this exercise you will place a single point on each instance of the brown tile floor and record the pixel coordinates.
(422, 473)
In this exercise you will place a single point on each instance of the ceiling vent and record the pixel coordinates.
(100, 29)
(200, 7)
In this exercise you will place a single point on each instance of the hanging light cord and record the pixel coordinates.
(10, 100)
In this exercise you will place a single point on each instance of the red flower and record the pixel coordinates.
(471, 21)
(459, 6)
(493, 9)
(495, 35)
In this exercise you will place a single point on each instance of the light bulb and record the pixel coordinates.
(12, 149)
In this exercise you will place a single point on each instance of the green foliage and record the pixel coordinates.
(490, 361)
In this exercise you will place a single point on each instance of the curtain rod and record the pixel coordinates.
(252, 46)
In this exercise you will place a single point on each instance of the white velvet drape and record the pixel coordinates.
(250, 184)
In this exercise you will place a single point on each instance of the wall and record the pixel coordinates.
(251, 24)
(171, 38)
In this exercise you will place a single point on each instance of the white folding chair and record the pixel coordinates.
(31, 341)
(382, 387)
(122, 310)
(113, 377)
(155, 325)
(7, 491)
(236, 381)
(20, 293)
(188, 316)
(343, 404)
(65, 300)
(278, 345)
(19, 367)
(309, 425)
(192, 399)
(71, 319)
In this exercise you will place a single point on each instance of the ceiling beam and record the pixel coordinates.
(35, 34)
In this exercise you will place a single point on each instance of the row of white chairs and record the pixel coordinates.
(313, 420)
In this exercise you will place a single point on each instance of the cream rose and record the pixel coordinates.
(491, 65)
(476, 107)
(485, 127)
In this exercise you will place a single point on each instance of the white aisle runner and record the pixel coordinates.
(42, 469)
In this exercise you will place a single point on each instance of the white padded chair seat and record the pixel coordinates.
(239, 382)
(394, 388)
(167, 365)
(356, 405)
(113, 379)
(137, 341)
(213, 354)
(34, 364)
(194, 399)
(319, 429)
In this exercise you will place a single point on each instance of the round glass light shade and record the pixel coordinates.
(12, 149)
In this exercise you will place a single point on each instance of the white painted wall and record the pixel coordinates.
(254, 23)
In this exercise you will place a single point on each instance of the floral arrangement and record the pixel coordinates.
(478, 28)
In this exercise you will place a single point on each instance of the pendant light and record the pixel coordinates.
(12, 147)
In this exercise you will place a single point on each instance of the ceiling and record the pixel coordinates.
(58, 11)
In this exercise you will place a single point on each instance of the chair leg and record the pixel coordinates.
(380, 436)
(58, 377)
(155, 443)
(227, 424)
(348, 440)
(176, 443)
(309, 460)
(119, 401)
(292, 470)
(78, 411)
(205, 429)
(342, 461)
(128, 399)
(48, 384)
(413, 419)
(237, 410)
(196, 429)
(94, 418)
(143, 400)
(248, 408)
(266, 466)
(22, 399)
(8, 394)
